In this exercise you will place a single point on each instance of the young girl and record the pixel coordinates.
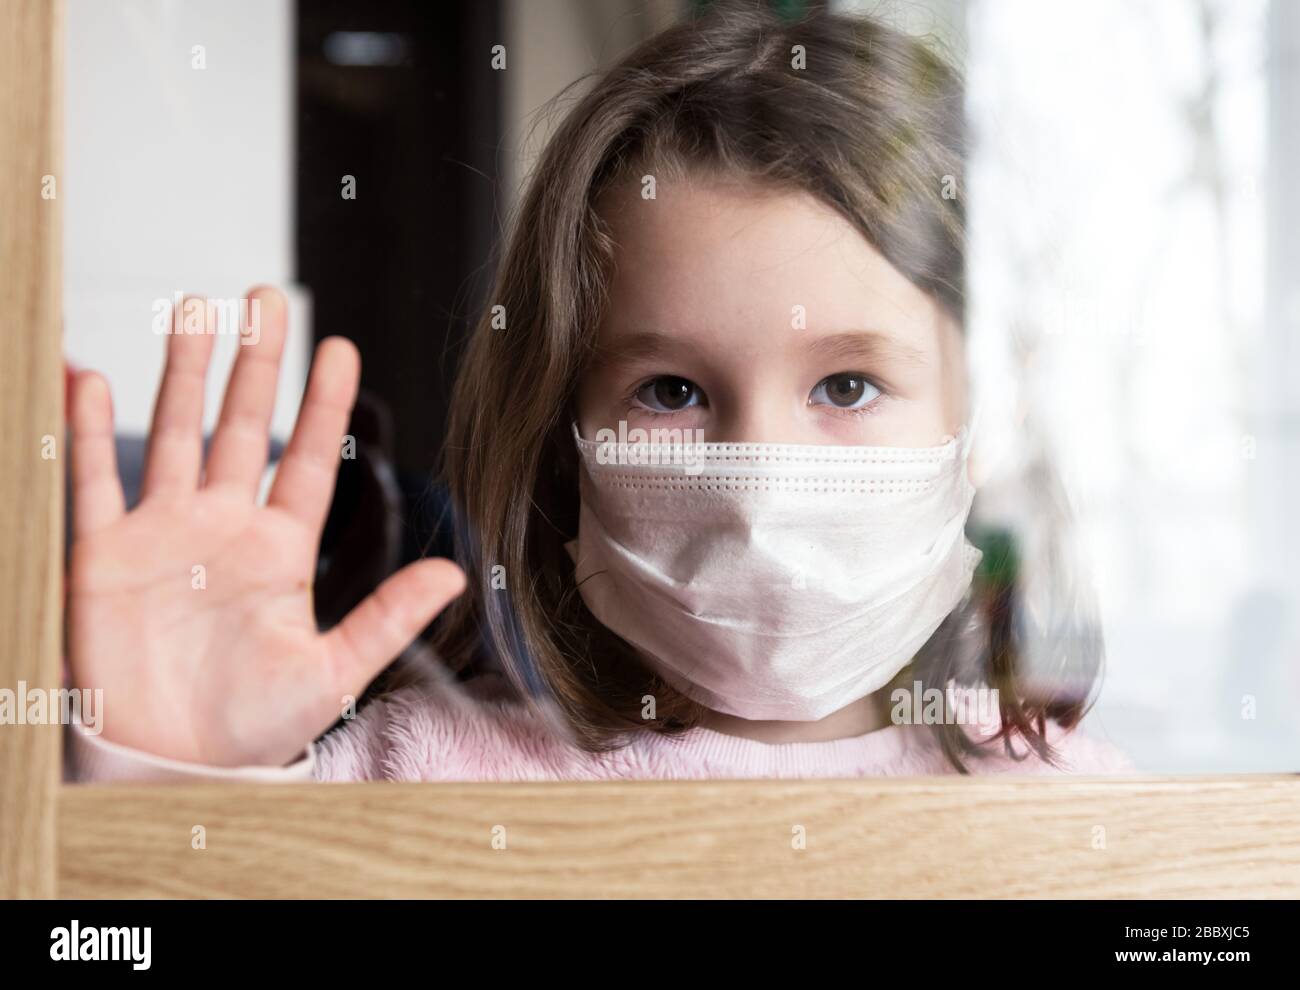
(748, 234)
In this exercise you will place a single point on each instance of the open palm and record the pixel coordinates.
(193, 612)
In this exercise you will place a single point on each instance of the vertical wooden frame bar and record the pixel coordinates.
(31, 417)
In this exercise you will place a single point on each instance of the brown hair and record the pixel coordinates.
(872, 124)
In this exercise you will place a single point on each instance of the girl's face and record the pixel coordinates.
(756, 315)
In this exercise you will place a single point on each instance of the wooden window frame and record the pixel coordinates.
(1187, 836)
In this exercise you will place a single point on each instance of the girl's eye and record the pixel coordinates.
(844, 391)
(668, 394)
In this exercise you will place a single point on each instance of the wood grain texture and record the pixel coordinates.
(922, 837)
(31, 409)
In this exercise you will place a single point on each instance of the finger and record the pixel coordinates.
(304, 481)
(175, 455)
(97, 499)
(237, 456)
(384, 624)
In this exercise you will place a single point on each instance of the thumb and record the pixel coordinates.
(384, 624)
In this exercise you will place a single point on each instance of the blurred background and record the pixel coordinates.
(1134, 304)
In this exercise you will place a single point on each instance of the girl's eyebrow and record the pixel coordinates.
(635, 346)
(867, 345)
(864, 345)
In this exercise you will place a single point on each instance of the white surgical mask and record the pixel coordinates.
(773, 581)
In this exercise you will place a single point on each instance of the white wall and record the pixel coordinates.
(941, 22)
(176, 178)
(550, 44)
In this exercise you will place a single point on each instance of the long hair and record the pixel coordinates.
(865, 118)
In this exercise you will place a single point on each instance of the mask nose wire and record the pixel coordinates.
(967, 432)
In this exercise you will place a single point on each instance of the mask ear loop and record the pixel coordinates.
(971, 428)
(966, 441)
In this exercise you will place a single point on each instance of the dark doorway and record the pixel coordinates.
(401, 96)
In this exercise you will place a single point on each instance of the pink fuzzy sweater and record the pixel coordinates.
(483, 733)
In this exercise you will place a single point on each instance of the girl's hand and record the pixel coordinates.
(193, 612)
